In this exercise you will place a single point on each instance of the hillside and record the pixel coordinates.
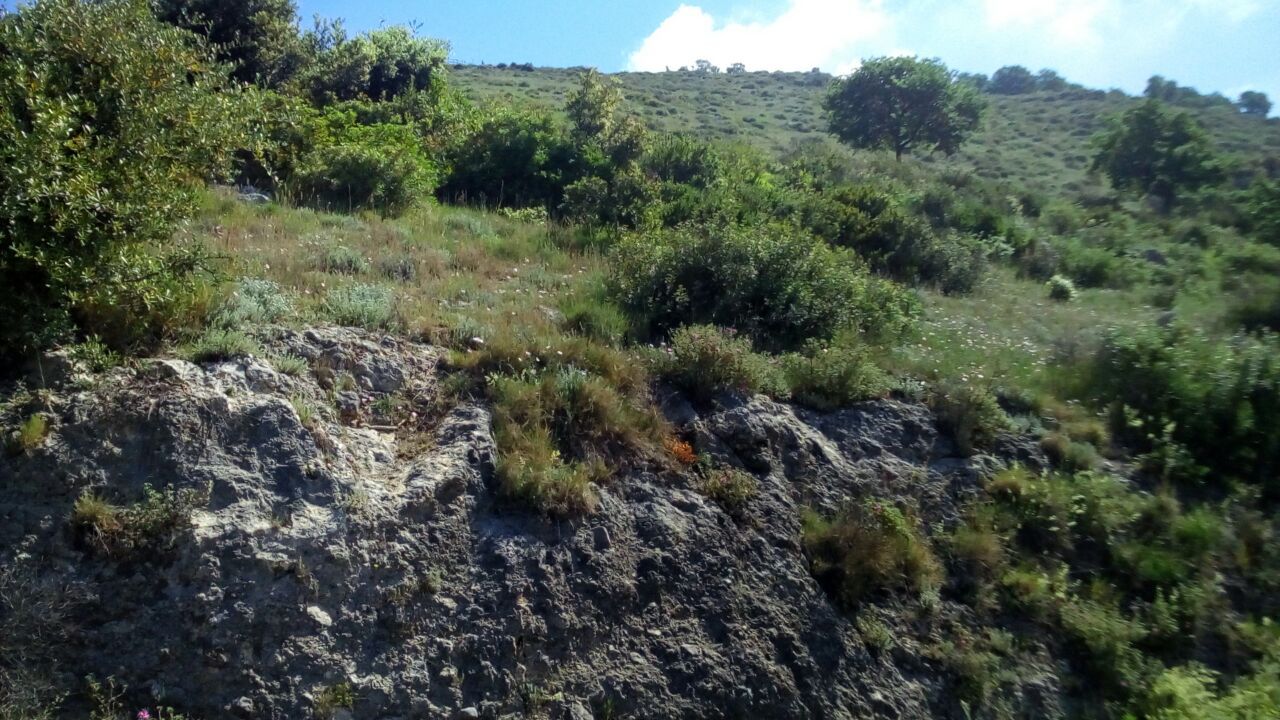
(328, 393)
(1036, 141)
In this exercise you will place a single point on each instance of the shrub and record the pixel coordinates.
(731, 489)
(1061, 289)
(870, 549)
(514, 159)
(351, 167)
(290, 365)
(1174, 389)
(594, 318)
(781, 287)
(217, 344)
(253, 302)
(342, 260)
(704, 360)
(143, 531)
(359, 305)
(111, 121)
(969, 413)
(828, 378)
(557, 433)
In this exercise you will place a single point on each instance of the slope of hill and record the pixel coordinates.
(1038, 140)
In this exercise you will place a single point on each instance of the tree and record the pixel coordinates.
(903, 103)
(1012, 80)
(1050, 81)
(110, 121)
(737, 69)
(706, 68)
(258, 38)
(1150, 150)
(1254, 103)
(382, 64)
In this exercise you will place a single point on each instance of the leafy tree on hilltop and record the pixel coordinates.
(1150, 150)
(1254, 103)
(903, 103)
(1012, 80)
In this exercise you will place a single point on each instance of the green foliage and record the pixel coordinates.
(1193, 692)
(1220, 401)
(254, 301)
(782, 288)
(219, 343)
(349, 166)
(359, 305)
(142, 531)
(704, 360)
(870, 549)
(383, 64)
(514, 158)
(903, 104)
(829, 377)
(1254, 103)
(969, 413)
(875, 224)
(1061, 289)
(342, 260)
(110, 121)
(1264, 211)
(557, 435)
(1150, 150)
(332, 698)
(258, 39)
(1012, 80)
(731, 489)
(31, 434)
(684, 160)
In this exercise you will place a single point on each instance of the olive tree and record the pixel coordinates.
(902, 104)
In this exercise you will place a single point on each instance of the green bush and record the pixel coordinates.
(219, 344)
(110, 121)
(704, 360)
(1175, 388)
(731, 489)
(781, 287)
(831, 377)
(872, 548)
(969, 413)
(349, 167)
(1061, 289)
(358, 305)
(254, 301)
(514, 159)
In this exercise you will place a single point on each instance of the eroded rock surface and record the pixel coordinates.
(329, 552)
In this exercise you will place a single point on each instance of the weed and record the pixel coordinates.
(332, 698)
(358, 305)
(342, 260)
(731, 489)
(1061, 289)
(705, 360)
(142, 531)
(970, 413)
(218, 344)
(871, 548)
(290, 365)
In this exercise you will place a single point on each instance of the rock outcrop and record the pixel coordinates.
(332, 558)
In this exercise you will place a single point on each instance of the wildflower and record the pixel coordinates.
(144, 715)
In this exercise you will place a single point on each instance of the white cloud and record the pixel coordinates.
(1079, 22)
(830, 34)
(1066, 22)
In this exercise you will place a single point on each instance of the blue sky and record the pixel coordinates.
(1223, 45)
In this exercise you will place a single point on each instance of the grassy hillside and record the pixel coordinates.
(1039, 140)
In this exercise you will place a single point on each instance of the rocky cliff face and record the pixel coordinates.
(331, 561)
